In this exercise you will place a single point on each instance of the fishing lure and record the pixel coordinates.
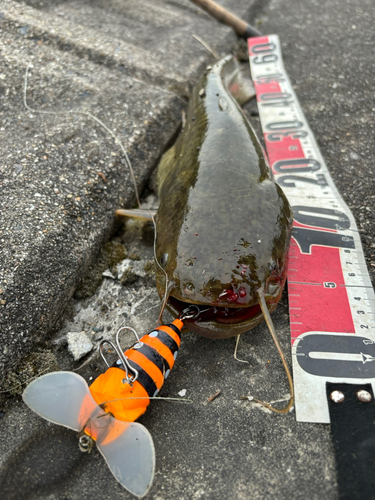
(105, 412)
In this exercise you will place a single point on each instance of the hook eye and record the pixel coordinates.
(126, 328)
(191, 312)
(123, 358)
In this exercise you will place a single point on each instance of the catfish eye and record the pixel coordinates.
(164, 259)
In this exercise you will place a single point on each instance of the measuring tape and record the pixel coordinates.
(331, 299)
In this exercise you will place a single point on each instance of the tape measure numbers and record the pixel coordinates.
(331, 299)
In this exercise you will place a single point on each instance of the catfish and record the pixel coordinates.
(223, 226)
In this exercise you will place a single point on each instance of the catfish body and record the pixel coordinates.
(223, 225)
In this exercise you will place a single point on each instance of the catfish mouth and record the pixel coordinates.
(219, 322)
(218, 314)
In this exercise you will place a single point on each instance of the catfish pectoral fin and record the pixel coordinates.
(138, 213)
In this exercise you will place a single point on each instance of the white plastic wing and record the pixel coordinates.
(63, 398)
(129, 451)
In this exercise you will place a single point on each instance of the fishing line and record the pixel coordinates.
(84, 113)
(172, 400)
(166, 294)
(129, 165)
(28, 380)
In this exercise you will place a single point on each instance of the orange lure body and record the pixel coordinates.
(153, 357)
(105, 412)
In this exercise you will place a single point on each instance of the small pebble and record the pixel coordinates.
(78, 344)
(107, 274)
(353, 155)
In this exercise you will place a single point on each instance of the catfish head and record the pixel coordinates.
(219, 262)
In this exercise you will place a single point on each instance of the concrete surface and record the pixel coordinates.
(205, 450)
(128, 64)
